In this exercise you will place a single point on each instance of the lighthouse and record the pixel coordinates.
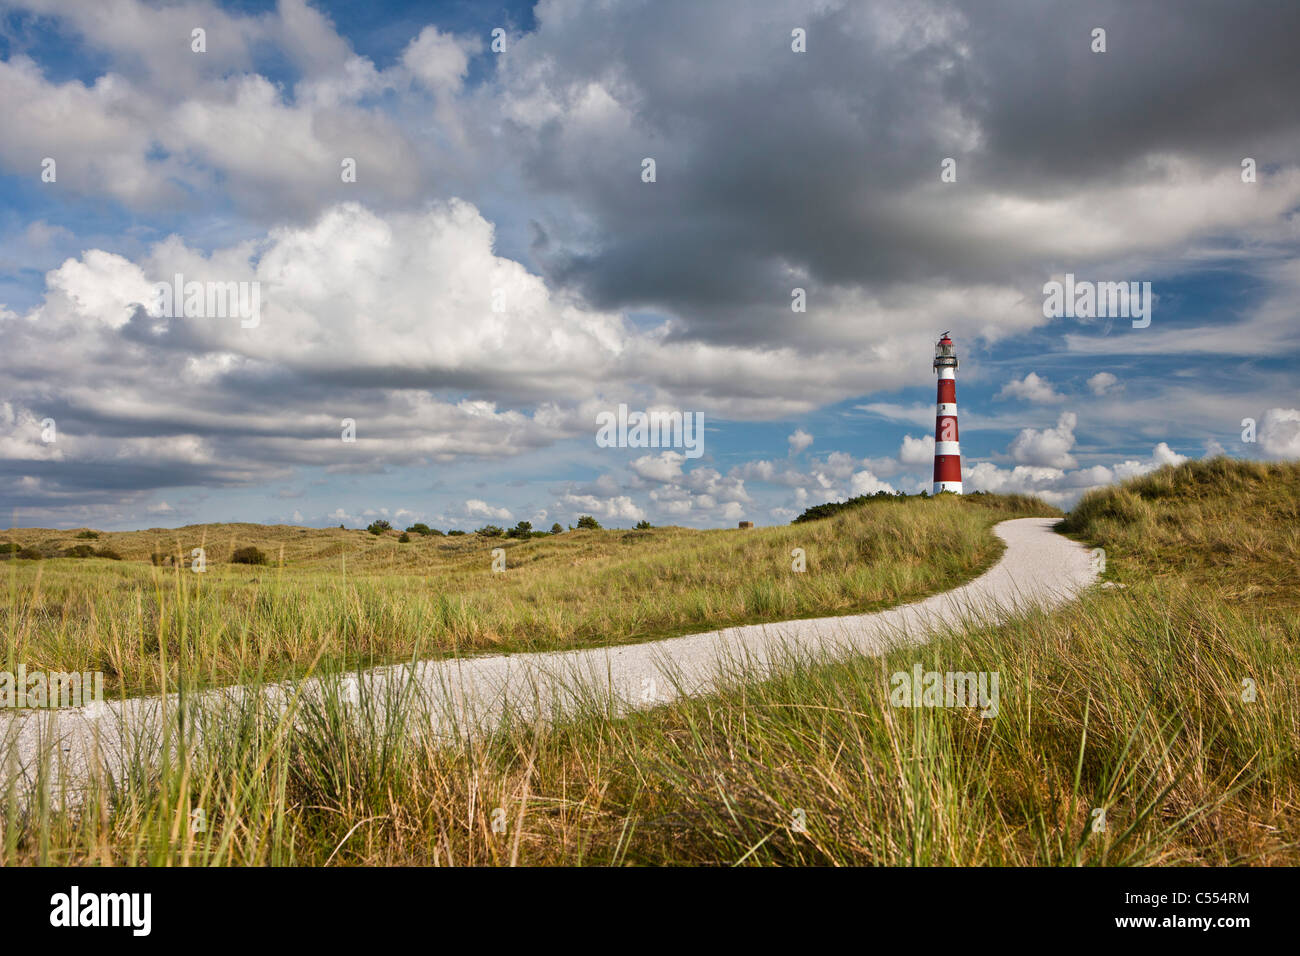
(947, 451)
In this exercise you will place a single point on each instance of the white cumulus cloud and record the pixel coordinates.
(799, 441)
(917, 451)
(865, 483)
(477, 508)
(664, 467)
(1279, 433)
(1031, 388)
(1103, 382)
(1049, 447)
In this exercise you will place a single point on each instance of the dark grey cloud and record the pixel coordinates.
(828, 161)
(1197, 78)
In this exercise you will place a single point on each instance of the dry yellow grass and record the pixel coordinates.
(334, 598)
(1128, 701)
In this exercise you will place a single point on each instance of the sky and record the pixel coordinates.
(447, 233)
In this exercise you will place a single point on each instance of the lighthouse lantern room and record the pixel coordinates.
(947, 451)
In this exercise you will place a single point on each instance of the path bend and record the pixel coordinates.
(469, 695)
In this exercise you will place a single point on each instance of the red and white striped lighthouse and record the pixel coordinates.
(947, 451)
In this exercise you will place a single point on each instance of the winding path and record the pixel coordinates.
(452, 697)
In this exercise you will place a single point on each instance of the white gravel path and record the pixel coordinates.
(468, 695)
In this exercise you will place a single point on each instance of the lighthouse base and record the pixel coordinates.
(953, 486)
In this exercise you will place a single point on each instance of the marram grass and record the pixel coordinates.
(335, 599)
(1129, 701)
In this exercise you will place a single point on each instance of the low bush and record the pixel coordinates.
(248, 555)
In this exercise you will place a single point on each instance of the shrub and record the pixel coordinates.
(489, 531)
(817, 512)
(643, 525)
(91, 535)
(8, 547)
(108, 553)
(522, 530)
(454, 533)
(30, 554)
(557, 528)
(404, 538)
(248, 555)
(79, 551)
(419, 528)
(379, 526)
(587, 521)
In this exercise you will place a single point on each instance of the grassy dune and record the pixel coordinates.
(1129, 701)
(336, 598)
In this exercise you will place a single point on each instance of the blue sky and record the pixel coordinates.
(516, 175)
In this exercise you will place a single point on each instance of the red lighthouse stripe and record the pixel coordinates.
(947, 467)
(945, 428)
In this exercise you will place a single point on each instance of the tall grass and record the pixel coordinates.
(375, 601)
(1129, 701)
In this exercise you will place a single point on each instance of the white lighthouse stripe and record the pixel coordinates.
(945, 408)
(953, 486)
(947, 448)
(947, 372)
